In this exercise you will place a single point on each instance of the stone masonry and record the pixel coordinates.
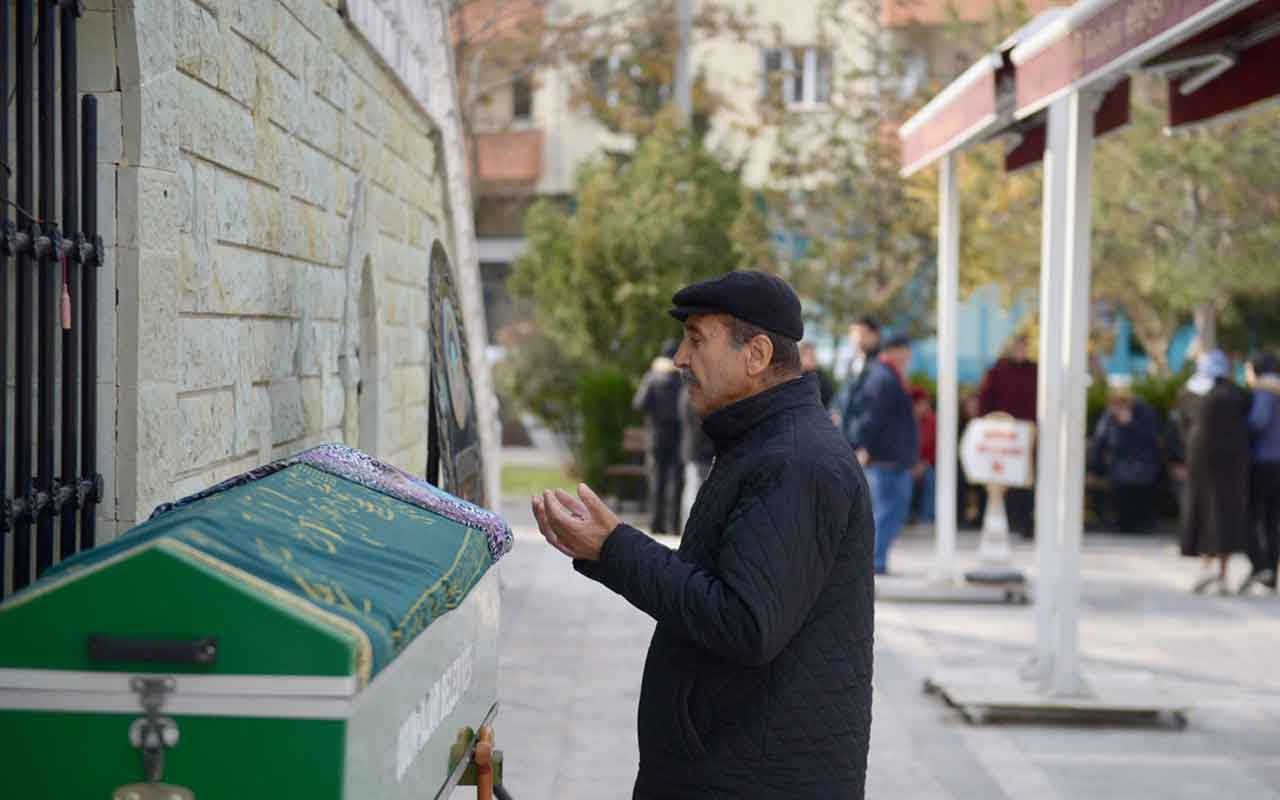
(276, 194)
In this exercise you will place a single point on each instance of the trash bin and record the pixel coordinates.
(323, 627)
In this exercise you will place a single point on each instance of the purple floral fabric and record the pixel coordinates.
(353, 465)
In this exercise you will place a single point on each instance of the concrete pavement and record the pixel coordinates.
(572, 655)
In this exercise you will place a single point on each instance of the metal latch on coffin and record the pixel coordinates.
(153, 734)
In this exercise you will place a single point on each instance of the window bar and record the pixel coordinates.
(5, 505)
(23, 160)
(89, 492)
(47, 278)
(68, 271)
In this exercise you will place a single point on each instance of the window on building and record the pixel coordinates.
(800, 77)
(603, 72)
(915, 70)
(521, 99)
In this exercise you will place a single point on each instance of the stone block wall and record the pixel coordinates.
(272, 182)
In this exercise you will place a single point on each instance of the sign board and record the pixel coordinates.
(1098, 37)
(997, 450)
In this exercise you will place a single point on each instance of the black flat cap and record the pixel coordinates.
(755, 297)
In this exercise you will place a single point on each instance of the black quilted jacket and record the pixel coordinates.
(758, 679)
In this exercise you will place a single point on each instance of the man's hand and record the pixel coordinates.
(576, 526)
(864, 458)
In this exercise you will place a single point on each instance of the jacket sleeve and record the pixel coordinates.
(1261, 409)
(987, 392)
(641, 400)
(880, 391)
(775, 554)
(1097, 456)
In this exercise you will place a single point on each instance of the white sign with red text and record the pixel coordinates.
(997, 450)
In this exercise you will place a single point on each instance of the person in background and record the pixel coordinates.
(1010, 386)
(922, 474)
(1125, 450)
(1213, 420)
(809, 363)
(968, 516)
(1263, 374)
(658, 398)
(886, 440)
(864, 336)
(696, 450)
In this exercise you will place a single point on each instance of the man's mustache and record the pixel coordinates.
(687, 376)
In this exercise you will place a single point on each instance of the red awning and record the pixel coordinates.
(960, 113)
(1027, 148)
(1226, 68)
(1099, 39)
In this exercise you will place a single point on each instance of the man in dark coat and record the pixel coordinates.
(696, 450)
(658, 398)
(864, 335)
(809, 365)
(758, 678)
(886, 440)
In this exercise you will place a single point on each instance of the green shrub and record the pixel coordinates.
(536, 376)
(603, 402)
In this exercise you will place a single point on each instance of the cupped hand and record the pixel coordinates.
(576, 526)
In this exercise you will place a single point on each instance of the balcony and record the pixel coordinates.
(509, 159)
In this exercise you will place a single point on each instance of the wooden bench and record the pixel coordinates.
(631, 471)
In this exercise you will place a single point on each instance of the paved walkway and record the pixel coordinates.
(572, 655)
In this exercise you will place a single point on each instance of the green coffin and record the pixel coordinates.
(353, 622)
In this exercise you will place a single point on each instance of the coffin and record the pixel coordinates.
(323, 627)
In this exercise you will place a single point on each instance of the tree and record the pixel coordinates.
(619, 57)
(868, 233)
(1179, 222)
(642, 227)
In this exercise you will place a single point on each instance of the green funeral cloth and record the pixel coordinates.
(389, 566)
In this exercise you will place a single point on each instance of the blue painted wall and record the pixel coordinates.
(985, 326)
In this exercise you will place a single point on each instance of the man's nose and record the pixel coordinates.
(682, 358)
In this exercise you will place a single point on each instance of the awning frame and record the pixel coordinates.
(1084, 12)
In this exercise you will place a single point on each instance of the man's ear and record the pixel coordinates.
(759, 355)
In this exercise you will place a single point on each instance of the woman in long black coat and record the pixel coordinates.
(1213, 417)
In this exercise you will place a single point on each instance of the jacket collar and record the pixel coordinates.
(731, 423)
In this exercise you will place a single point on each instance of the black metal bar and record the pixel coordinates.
(47, 277)
(104, 648)
(4, 296)
(71, 281)
(23, 161)
(89, 325)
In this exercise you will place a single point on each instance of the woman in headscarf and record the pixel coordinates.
(1213, 417)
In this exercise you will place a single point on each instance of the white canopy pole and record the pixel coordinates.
(944, 568)
(1049, 389)
(1066, 679)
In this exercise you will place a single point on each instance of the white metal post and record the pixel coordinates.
(1049, 388)
(1066, 679)
(944, 568)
